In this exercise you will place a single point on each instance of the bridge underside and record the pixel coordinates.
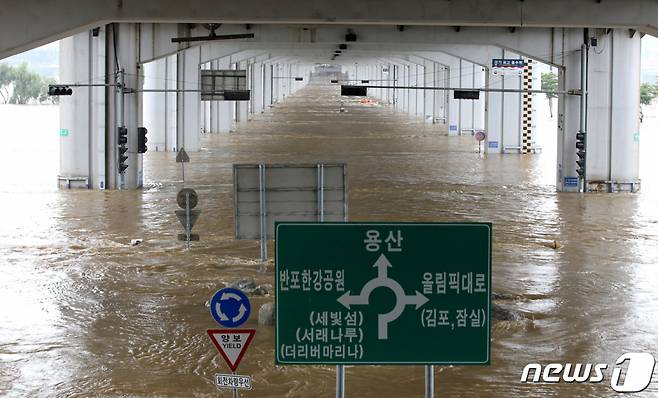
(162, 88)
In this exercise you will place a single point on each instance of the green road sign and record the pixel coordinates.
(383, 293)
(63, 132)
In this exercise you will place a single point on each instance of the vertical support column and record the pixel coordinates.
(215, 104)
(428, 95)
(612, 113)
(154, 104)
(189, 103)
(406, 93)
(479, 105)
(204, 108)
(224, 108)
(82, 115)
(526, 118)
(251, 85)
(441, 96)
(412, 77)
(466, 107)
(171, 104)
(243, 106)
(268, 92)
(569, 78)
(511, 131)
(263, 212)
(123, 109)
(494, 112)
(453, 75)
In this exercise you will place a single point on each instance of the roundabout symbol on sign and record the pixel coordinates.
(230, 307)
(402, 299)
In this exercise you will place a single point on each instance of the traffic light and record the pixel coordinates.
(122, 149)
(580, 151)
(141, 139)
(55, 89)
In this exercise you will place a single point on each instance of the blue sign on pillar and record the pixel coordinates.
(230, 307)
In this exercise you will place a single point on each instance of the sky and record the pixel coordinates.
(649, 59)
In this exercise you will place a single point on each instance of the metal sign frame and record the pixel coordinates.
(320, 187)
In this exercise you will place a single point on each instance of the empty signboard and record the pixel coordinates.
(265, 194)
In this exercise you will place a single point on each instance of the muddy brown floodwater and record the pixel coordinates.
(84, 313)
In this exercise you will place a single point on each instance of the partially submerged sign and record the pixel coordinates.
(230, 307)
(182, 157)
(383, 293)
(232, 344)
(233, 381)
(187, 200)
(182, 217)
(268, 193)
(186, 194)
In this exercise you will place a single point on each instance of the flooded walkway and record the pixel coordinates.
(84, 313)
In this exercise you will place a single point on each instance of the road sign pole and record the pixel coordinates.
(263, 215)
(183, 165)
(340, 381)
(429, 381)
(235, 390)
(187, 216)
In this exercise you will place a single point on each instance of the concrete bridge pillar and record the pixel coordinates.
(503, 115)
(188, 103)
(269, 83)
(127, 55)
(428, 95)
(154, 105)
(243, 106)
(454, 80)
(82, 115)
(224, 108)
(613, 110)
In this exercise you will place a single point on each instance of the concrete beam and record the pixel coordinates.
(29, 23)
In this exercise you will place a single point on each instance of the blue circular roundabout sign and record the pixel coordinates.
(230, 307)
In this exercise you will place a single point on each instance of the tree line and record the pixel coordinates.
(18, 85)
(648, 92)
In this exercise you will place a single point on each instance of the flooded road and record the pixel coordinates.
(84, 313)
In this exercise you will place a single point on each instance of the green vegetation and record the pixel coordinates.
(549, 82)
(648, 92)
(20, 86)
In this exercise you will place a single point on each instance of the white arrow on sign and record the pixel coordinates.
(241, 312)
(401, 299)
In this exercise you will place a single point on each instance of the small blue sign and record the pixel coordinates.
(493, 144)
(570, 181)
(230, 307)
(453, 127)
(507, 63)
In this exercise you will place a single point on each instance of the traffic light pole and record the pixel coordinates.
(583, 113)
(120, 119)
